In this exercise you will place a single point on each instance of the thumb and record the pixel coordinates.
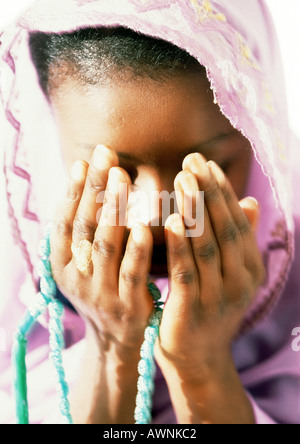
(251, 208)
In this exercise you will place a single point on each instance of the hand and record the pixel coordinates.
(213, 277)
(112, 296)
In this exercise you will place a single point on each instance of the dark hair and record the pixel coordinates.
(94, 55)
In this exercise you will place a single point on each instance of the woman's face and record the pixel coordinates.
(153, 127)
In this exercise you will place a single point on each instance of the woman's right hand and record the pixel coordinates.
(112, 296)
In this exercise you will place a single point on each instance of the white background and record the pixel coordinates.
(286, 15)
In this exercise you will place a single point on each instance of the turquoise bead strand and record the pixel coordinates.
(147, 366)
(46, 300)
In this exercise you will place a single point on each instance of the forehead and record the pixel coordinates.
(141, 116)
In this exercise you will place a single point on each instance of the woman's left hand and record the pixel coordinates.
(213, 277)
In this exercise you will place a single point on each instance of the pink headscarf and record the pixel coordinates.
(236, 43)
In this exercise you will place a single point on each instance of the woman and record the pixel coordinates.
(112, 105)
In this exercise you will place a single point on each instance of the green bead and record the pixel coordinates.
(155, 293)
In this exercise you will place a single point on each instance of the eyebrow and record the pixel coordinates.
(205, 146)
(201, 146)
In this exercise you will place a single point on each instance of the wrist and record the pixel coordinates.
(209, 395)
(106, 387)
(111, 352)
(197, 369)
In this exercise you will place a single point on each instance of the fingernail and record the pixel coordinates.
(176, 224)
(198, 166)
(78, 171)
(188, 183)
(114, 180)
(255, 201)
(217, 172)
(138, 234)
(102, 157)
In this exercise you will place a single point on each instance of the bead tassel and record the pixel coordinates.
(147, 367)
(20, 383)
(56, 345)
(46, 299)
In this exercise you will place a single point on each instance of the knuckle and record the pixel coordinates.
(240, 301)
(228, 234)
(244, 226)
(131, 277)
(179, 251)
(183, 277)
(227, 189)
(138, 253)
(95, 183)
(83, 227)
(73, 195)
(63, 228)
(241, 294)
(227, 194)
(245, 298)
(104, 248)
(212, 191)
(111, 206)
(118, 311)
(207, 252)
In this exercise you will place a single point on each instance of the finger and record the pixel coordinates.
(134, 270)
(251, 208)
(85, 222)
(246, 215)
(223, 223)
(109, 235)
(61, 233)
(183, 274)
(241, 220)
(205, 247)
(253, 257)
(187, 196)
